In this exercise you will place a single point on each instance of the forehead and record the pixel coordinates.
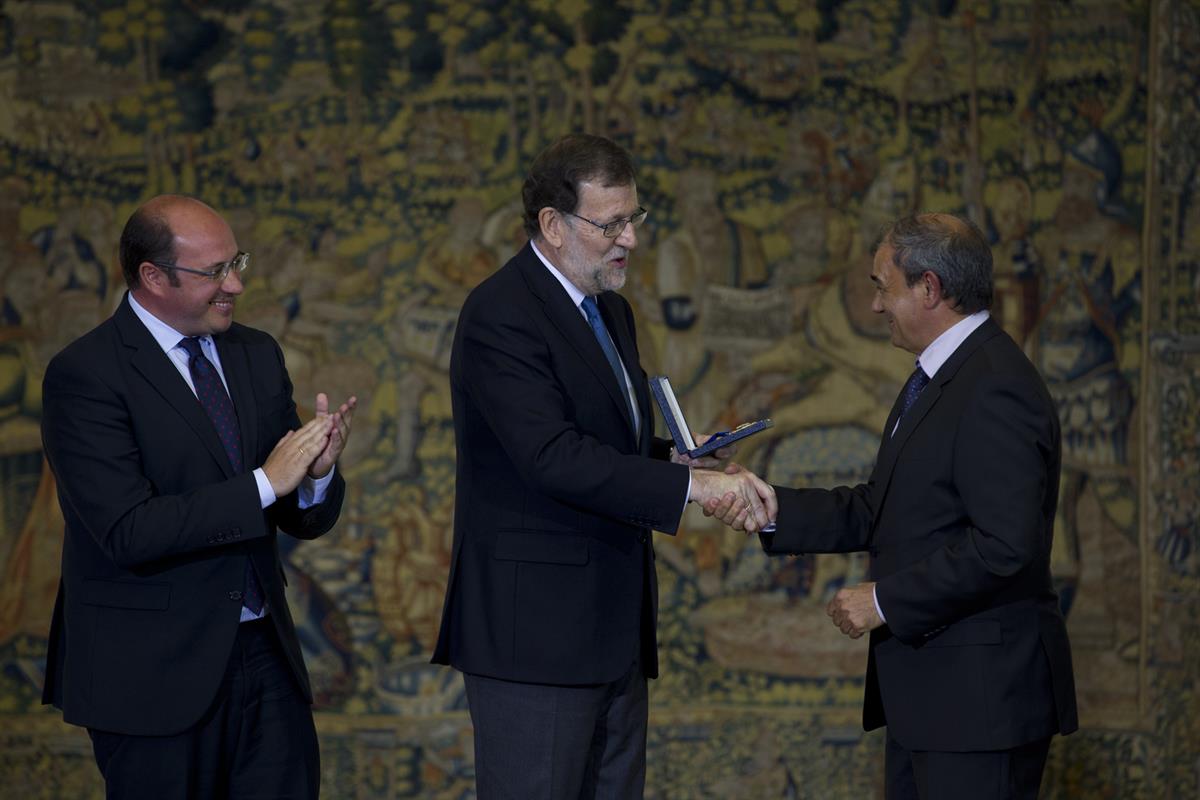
(198, 229)
(613, 201)
(884, 266)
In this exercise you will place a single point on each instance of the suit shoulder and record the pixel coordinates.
(1000, 368)
(500, 295)
(88, 350)
(1002, 355)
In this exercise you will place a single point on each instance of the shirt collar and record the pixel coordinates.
(166, 336)
(940, 349)
(573, 290)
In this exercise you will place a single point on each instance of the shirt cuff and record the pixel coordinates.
(875, 597)
(686, 494)
(266, 495)
(311, 491)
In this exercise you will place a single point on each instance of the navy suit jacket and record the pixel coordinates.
(552, 575)
(158, 526)
(958, 517)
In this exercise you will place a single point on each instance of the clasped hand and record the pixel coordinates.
(746, 502)
(311, 450)
(853, 610)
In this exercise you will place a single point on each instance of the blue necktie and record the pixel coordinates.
(210, 391)
(912, 390)
(592, 312)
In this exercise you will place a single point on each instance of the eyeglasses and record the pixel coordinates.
(218, 273)
(612, 230)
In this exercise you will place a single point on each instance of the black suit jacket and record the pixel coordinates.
(158, 527)
(958, 517)
(552, 574)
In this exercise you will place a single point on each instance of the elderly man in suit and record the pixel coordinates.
(969, 665)
(550, 606)
(178, 453)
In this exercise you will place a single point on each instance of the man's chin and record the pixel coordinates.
(220, 324)
(615, 280)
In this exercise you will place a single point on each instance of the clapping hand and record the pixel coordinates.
(339, 432)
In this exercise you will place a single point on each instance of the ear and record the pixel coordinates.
(931, 295)
(151, 277)
(551, 224)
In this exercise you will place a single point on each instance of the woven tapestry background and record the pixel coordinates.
(369, 154)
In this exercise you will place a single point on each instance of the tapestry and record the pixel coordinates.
(369, 155)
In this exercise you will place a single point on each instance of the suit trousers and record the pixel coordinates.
(257, 741)
(1014, 774)
(541, 742)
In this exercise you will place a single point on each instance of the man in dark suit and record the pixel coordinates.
(969, 665)
(178, 454)
(550, 606)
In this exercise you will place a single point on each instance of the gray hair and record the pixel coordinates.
(951, 247)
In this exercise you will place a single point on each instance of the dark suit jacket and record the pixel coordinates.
(158, 527)
(552, 574)
(958, 517)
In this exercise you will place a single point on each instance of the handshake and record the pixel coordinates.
(730, 492)
(746, 502)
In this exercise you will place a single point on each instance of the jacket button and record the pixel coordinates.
(235, 596)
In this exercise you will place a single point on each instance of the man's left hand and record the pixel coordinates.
(717, 460)
(853, 610)
(338, 435)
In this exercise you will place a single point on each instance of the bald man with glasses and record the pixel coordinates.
(179, 456)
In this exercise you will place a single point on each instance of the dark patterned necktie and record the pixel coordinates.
(909, 394)
(592, 312)
(210, 391)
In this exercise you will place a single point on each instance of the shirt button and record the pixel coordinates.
(235, 595)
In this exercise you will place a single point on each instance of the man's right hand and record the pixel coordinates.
(294, 454)
(748, 502)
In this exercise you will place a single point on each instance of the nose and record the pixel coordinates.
(628, 236)
(232, 283)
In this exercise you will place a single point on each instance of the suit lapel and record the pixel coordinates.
(569, 321)
(154, 365)
(891, 446)
(235, 363)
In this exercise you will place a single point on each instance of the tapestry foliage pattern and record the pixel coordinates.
(369, 154)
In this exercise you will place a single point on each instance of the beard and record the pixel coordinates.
(608, 278)
(592, 274)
